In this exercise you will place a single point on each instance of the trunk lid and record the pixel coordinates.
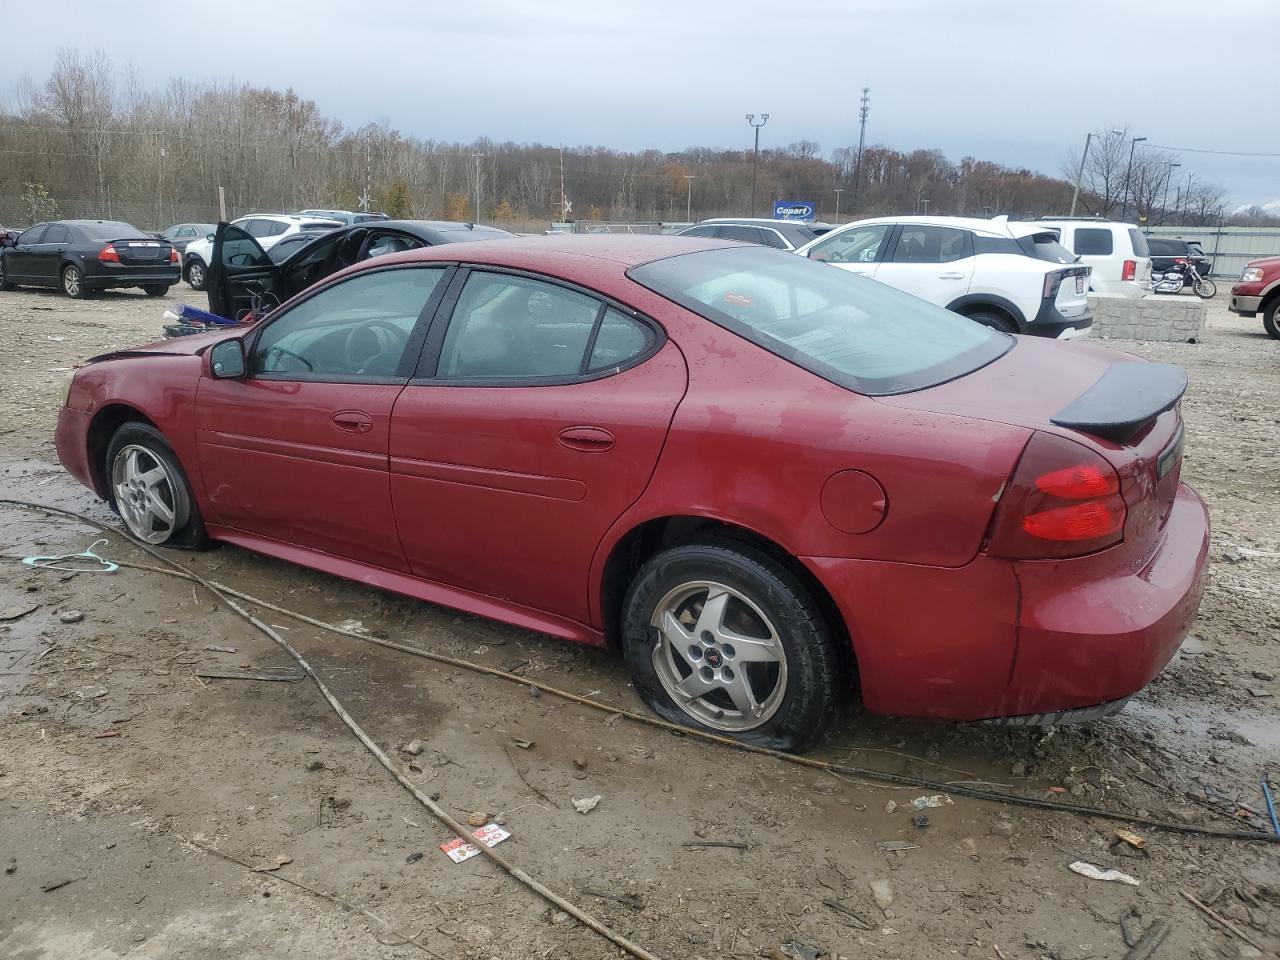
(139, 252)
(1117, 405)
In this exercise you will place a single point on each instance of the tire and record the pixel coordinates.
(792, 676)
(149, 489)
(156, 289)
(73, 282)
(993, 320)
(5, 285)
(196, 274)
(1205, 289)
(1271, 320)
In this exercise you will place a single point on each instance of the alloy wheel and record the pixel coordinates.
(146, 494)
(718, 656)
(195, 275)
(71, 281)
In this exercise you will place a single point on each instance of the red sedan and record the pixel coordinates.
(772, 485)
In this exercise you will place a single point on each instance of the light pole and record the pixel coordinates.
(688, 204)
(839, 190)
(1128, 175)
(755, 157)
(1186, 199)
(1075, 194)
(476, 158)
(1164, 204)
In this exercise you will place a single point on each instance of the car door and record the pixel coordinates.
(46, 256)
(241, 278)
(21, 260)
(296, 451)
(934, 263)
(535, 419)
(855, 249)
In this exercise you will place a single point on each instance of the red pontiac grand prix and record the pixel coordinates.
(772, 485)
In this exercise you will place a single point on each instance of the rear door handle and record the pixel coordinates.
(353, 421)
(588, 439)
(951, 276)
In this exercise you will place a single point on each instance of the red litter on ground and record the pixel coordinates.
(458, 849)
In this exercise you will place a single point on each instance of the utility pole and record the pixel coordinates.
(368, 175)
(862, 140)
(1186, 199)
(755, 157)
(1164, 204)
(1128, 176)
(839, 190)
(1075, 194)
(688, 204)
(476, 170)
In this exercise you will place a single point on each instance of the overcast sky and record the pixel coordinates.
(1015, 81)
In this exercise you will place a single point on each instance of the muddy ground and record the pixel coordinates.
(262, 770)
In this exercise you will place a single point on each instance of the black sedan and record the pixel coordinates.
(244, 277)
(1170, 254)
(181, 234)
(84, 256)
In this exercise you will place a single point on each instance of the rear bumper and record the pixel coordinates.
(1246, 306)
(132, 276)
(1050, 323)
(998, 639)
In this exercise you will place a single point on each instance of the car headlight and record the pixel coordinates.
(65, 390)
(1251, 275)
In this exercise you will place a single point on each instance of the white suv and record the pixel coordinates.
(1011, 276)
(1118, 253)
(267, 228)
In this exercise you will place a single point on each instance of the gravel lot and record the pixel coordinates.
(264, 770)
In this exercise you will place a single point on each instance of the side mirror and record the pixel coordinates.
(209, 237)
(227, 360)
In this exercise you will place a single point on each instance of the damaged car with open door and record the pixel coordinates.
(246, 282)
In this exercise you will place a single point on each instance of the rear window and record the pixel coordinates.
(857, 333)
(1045, 246)
(1164, 248)
(111, 231)
(1139, 242)
(1093, 242)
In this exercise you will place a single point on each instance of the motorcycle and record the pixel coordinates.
(1172, 281)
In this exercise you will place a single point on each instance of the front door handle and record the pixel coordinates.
(353, 421)
(951, 276)
(588, 439)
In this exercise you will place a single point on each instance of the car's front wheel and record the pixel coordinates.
(196, 274)
(989, 318)
(5, 285)
(722, 636)
(73, 283)
(156, 289)
(149, 488)
(1271, 319)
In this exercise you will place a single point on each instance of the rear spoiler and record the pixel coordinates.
(1126, 397)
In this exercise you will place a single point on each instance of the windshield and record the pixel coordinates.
(848, 329)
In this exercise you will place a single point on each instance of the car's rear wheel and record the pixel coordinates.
(5, 285)
(156, 289)
(722, 636)
(196, 275)
(1271, 319)
(149, 489)
(989, 318)
(73, 282)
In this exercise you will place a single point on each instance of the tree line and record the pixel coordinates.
(90, 140)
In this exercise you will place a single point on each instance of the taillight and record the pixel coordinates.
(108, 254)
(1052, 281)
(1063, 500)
(1129, 270)
(1181, 260)
(173, 254)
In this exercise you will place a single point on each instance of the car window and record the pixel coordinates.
(1139, 243)
(734, 231)
(1162, 248)
(353, 329)
(275, 228)
(57, 233)
(771, 238)
(858, 245)
(1042, 246)
(704, 231)
(33, 234)
(241, 250)
(186, 232)
(1092, 242)
(851, 330)
(288, 246)
(619, 339)
(170, 233)
(311, 265)
(515, 327)
(919, 243)
(383, 243)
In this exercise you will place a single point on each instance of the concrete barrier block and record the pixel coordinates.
(1172, 318)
